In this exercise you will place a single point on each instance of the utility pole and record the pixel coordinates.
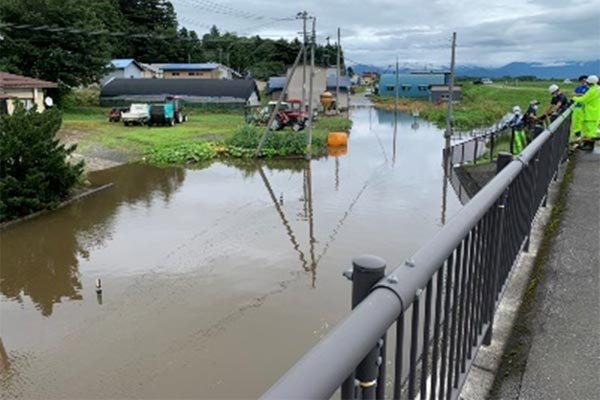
(396, 86)
(310, 89)
(278, 105)
(337, 74)
(303, 16)
(448, 133)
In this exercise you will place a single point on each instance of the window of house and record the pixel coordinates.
(406, 88)
(390, 88)
(27, 103)
(175, 73)
(422, 88)
(191, 73)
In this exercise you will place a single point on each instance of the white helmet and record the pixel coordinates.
(592, 79)
(517, 110)
(552, 88)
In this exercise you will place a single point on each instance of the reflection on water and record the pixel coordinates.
(195, 263)
(40, 258)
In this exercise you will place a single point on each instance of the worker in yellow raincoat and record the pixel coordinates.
(577, 114)
(591, 113)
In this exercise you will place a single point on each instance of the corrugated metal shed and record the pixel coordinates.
(409, 85)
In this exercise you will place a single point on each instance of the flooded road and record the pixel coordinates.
(215, 280)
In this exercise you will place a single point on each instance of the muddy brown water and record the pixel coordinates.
(215, 280)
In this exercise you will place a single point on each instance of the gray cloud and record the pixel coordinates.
(378, 31)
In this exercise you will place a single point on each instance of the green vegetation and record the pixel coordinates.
(481, 105)
(34, 171)
(80, 58)
(204, 137)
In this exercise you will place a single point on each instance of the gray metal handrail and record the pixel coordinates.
(463, 269)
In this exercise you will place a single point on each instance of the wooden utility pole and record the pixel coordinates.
(337, 74)
(310, 89)
(396, 86)
(303, 16)
(450, 95)
(279, 100)
(448, 133)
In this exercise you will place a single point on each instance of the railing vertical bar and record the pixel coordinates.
(399, 360)
(414, 344)
(469, 301)
(460, 353)
(436, 333)
(380, 388)
(426, 339)
(454, 315)
(449, 262)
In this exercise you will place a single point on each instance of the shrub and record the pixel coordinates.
(182, 153)
(34, 171)
(279, 143)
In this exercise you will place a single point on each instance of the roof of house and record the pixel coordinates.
(122, 63)
(12, 81)
(150, 67)
(190, 67)
(345, 82)
(238, 88)
(278, 82)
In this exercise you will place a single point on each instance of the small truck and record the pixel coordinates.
(139, 113)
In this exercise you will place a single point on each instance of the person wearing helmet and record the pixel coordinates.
(518, 136)
(558, 104)
(591, 112)
(530, 120)
(577, 115)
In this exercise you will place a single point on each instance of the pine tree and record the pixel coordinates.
(34, 171)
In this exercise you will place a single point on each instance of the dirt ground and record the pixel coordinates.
(95, 156)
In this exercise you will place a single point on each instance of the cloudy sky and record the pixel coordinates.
(419, 31)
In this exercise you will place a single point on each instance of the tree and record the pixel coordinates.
(67, 57)
(155, 18)
(34, 171)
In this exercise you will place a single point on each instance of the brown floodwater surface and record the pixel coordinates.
(215, 280)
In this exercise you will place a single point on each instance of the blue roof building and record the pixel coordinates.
(409, 85)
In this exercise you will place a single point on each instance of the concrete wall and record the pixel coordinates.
(319, 84)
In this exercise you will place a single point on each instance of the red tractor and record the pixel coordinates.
(293, 115)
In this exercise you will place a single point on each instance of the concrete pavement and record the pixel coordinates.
(559, 336)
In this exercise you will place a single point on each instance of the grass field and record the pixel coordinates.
(89, 125)
(483, 105)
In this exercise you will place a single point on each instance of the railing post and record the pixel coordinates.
(475, 151)
(367, 270)
(503, 160)
(492, 142)
(512, 140)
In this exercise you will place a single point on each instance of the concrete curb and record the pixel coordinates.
(482, 374)
(61, 205)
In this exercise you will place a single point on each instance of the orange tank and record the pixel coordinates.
(337, 139)
(337, 151)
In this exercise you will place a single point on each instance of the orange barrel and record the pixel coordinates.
(337, 139)
(337, 151)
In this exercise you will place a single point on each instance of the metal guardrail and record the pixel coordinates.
(445, 294)
(474, 148)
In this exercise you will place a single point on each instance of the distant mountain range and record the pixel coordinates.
(559, 70)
